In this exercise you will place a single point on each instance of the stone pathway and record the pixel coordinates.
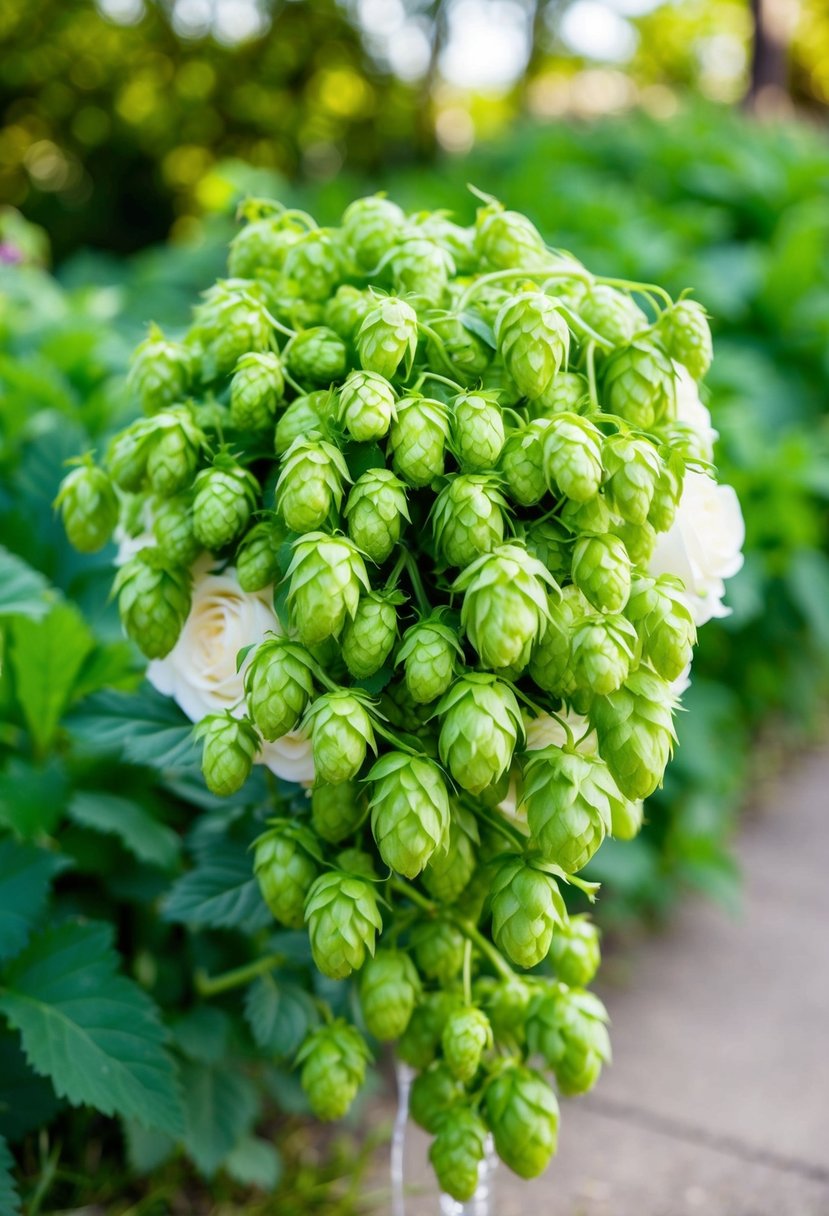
(717, 1103)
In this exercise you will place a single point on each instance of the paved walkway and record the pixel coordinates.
(717, 1103)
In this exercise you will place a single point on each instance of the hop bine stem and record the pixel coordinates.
(417, 584)
(646, 288)
(213, 985)
(466, 927)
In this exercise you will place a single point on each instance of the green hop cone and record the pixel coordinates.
(257, 558)
(160, 372)
(601, 571)
(311, 412)
(326, 575)
(346, 311)
(466, 1036)
(551, 661)
(230, 322)
(173, 530)
(224, 500)
(592, 517)
(568, 798)
(313, 263)
(685, 333)
(368, 638)
(533, 340)
(371, 225)
(333, 1059)
(432, 1093)
(522, 1113)
(568, 1027)
(419, 1042)
(173, 457)
(285, 866)
(640, 385)
(88, 506)
(457, 1152)
(505, 1003)
(567, 393)
(387, 339)
(127, 455)
(421, 269)
(572, 448)
(638, 539)
(632, 471)
(389, 991)
(665, 624)
(613, 315)
(468, 518)
(457, 240)
(261, 244)
(153, 601)
(278, 685)
(603, 652)
(507, 240)
(409, 811)
(310, 485)
(551, 543)
(356, 862)
(522, 464)
(367, 405)
(317, 356)
(417, 439)
(575, 952)
(256, 390)
(527, 906)
(337, 810)
(667, 491)
(429, 653)
(375, 512)
(343, 920)
(230, 745)
(341, 731)
(480, 725)
(447, 873)
(636, 732)
(477, 431)
(627, 820)
(504, 605)
(439, 949)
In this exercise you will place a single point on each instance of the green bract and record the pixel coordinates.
(429, 653)
(341, 730)
(389, 989)
(468, 518)
(317, 355)
(568, 798)
(256, 389)
(173, 454)
(433, 1092)
(449, 871)
(160, 371)
(370, 226)
(466, 1035)
(457, 1152)
(387, 338)
(367, 405)
(522, 464)
(636, 732)
(686, 335)
(304, 415)
(477, 430)
(310, 485)
(601, 571)
(612, 314)
(225, 497)
(572, 449)
(257, 558)
(417, 439)
(665, 624)
(173, 530)
(313, 262)
(533, 340)
(640, 385)
(337, 810)
(505, 239)
(603, 651)
(575, 952)
(439, 949)
(278, 685)
(368, 638)
(568, 1028)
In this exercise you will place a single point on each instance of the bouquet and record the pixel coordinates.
(424, 517)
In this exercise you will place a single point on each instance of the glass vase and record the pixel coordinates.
(409, 1168)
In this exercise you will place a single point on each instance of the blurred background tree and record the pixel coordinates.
(111, 113)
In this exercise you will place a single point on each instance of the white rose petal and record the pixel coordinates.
(704, 545)
(200, 672)
(691, 411)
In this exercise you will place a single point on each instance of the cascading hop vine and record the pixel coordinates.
(449, 467)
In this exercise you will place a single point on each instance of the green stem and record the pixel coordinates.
(496, 276)
(436, 339)
(645, 288)
(578, 323)
(279, 327)
(417, 584)
(591, 375)
(467, 971)
(213, 985)
(409, 892)
(391, 737)
(321, 678)
(440, 379)
(397, 569)
(486, 948)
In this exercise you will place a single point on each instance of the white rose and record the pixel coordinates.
(200, 672)
(704, 545)
(691, 411)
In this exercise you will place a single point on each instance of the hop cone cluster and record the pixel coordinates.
(447, 454)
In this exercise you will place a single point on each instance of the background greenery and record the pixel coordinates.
(115, 133)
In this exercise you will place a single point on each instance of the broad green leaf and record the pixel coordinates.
(23, 591)
(221, 1106)
(144, 727)
(255, 1162)
(140, 832)
(280, 1014)
(220, 892)
(201, 1034)
(147, 1148)
(27, 1101)
(113, 665)
(9, 1198)
(46, 657)
(32, 796)
(25, 880)
(95, 1033)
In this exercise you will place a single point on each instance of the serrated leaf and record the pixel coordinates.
(144, 727)
(32, 796)
(95, 1033)
(110, 666)
(27, 1101)
(280, 1014)
(46, 657)
(150, 841)
(220, 1106)
(220, 892)
(255, 1162)
(9, 1197)
(201, 1034)
(26, 874)
(23, 591)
